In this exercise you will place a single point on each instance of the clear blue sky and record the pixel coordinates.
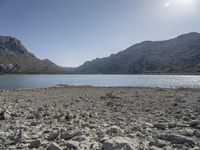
(69, 32)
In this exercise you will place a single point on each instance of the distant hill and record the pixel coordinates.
(180, 55)
(15, 58)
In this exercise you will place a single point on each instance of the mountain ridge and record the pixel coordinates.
(151, 57)
(15, 58)
(180, 55)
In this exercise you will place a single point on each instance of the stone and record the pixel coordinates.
(194, 123)
(68, 116)
(198, 127)
(109, 96)
(196, 133)
(80, 138)
(158, 143)
(177, 139)
(65, 135)
(186, 118)
(16, 136)
(171, 125)
(35, 144)
(114, 131)
(72, 145)
(34, 123)
(2, 115)
(52, 136)
(186, 132)
(53, 146)
(120, 143)
(160, 126)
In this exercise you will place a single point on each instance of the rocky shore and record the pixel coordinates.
(100, 118)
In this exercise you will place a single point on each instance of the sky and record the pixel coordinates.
(70, 32)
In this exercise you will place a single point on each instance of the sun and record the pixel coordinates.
(167, 4)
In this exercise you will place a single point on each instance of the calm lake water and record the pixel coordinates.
(38, 81)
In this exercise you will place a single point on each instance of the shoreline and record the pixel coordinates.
(88, 117)
(90, 86)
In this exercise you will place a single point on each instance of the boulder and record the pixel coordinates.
(120, 143)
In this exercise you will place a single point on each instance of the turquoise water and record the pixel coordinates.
(38, 81)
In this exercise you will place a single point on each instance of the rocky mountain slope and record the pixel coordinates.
(14, 58)
(179, 55)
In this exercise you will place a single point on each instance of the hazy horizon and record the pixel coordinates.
(72, 32)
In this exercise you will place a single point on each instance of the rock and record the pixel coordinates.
(158, 143)
(53, 146)
(2, 115)
(109, 96)
(52, 136)
(104, 138)
(198, 127)
(68, 116)
(80, 138)
(16, 136)
(84, 114)
(72, 145)
(120, 143)
(34, 123)
(114, 131)
(186, 132)
(65, 135)
(194, 123)
(177, 139)
(196, 133)
(186, 118)
(160, 126)
(35, 144)
(171, 125)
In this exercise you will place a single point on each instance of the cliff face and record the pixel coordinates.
(15, 58)
(179, 55)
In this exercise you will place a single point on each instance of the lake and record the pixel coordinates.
(40, 81)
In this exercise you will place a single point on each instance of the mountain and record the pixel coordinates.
(15, 58)
(180, 55)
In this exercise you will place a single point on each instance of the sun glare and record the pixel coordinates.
(184, 2)
(185, 5)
